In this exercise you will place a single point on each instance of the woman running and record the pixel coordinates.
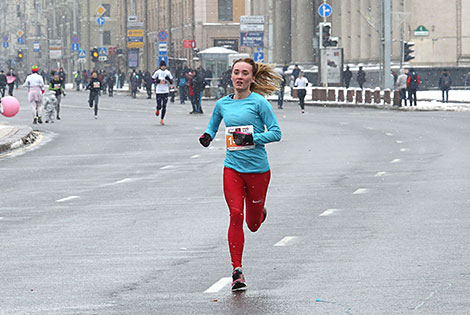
(246, 113)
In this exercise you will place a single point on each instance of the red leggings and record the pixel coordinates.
(239, 187)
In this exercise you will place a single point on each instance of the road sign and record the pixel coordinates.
(259, 56)
(163, 48)
(100, 21)
(81, 60)
(20, 40)
(103, 58)
(75, 46)
(162, 35)
(19, 33)
(36, 47)
(189, 43)
(135, 38)
(252, 39)
(164, 58)
(102, 51)
(5, 38)
(82, 54)
(5, 44)
(100, 10)
(75, 38)
(325, 10)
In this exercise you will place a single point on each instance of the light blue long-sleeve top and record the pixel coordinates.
(253, 110)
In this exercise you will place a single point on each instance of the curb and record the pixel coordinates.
(23, 135)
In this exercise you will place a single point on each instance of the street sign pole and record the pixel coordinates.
(388, 84)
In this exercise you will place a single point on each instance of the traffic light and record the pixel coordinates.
(95, 55)
(19, 55)
(407, 51)
(326, 40)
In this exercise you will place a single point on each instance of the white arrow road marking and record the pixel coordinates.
(396, 161)
(361, 191)
(328, 212)
(67, 198)
(285, 240)
(219, 285)
(195, 156)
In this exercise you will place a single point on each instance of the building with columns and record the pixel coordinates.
(358, 25)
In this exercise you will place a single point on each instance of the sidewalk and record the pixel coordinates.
(12, 137)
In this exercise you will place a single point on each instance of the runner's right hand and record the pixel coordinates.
(205, 139)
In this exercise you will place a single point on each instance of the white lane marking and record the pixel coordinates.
(389, 134)
(125, 180)
(67, 198)
(370, 128)
(404, 150)
(167, 167)
(285, 240)
(380, 174)
(396, 161)
(1, 218)
(195, 156)
(361, 191)
(219, 285)
(399, 141)
(328, 212)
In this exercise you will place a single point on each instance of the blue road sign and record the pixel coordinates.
(252, 39)
(100, 20)
(259, 56)
(75, 38)
(165, 58)
(20, 40)
(82, 53)
(75, 46)
(5, 45)
(325, 10)
(102, 51)
(36, 47)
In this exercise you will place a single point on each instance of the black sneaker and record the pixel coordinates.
(39, 120)
(238, 283)
(35, 121)
(265, 214)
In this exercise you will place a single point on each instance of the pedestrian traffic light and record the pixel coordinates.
(19, 55)
(326, 40)
(95, 55)
(407, 51)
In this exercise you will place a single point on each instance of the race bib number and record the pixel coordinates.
(96, 85)
(230, 142)
(56, 86)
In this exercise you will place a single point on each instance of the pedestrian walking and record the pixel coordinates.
(134, 81)
(361, 77)
(198, 83)
(182, 87)
(163, 79)
(50, 105)
(63, 78)
(282, 86)
(401, 85)
(445, 83)
(148, 84)
(347, 75)
(3, 83)
(296, 72)
(78, 79)
(35, 85)
(250, 124)
(467, 80)
(56, 86)
(95, 91)
(301, 85)
(110, 82)
(11, 81)
(413, 85)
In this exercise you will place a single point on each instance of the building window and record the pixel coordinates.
(108, 10)
(107, 38)
(225, 10)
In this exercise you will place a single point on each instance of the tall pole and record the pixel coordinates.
(270, 32)
(388, 84)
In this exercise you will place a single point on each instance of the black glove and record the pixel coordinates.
(242, 138)
(205, 139)
(167, 78)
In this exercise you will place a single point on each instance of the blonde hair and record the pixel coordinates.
(267, 80)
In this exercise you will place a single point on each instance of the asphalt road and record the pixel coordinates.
(368, 214)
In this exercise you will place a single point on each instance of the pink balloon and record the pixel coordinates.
(10, 105)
